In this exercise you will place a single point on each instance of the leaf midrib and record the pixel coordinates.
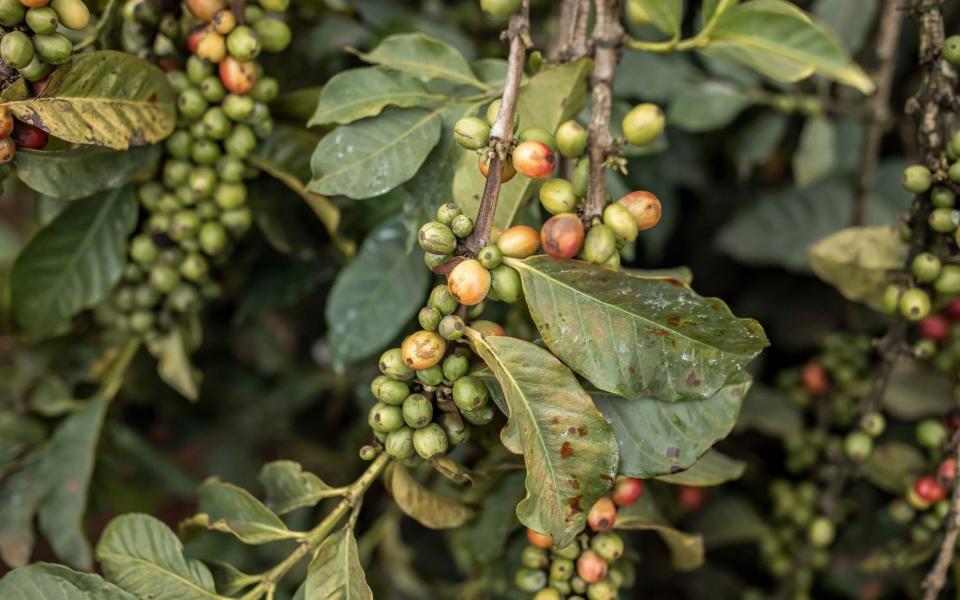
(420, 67)
(369, 100)
(157, 568)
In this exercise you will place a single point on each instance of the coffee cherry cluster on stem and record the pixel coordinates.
(17, 134)
(33, 42)
(196, 210)
(587, 567)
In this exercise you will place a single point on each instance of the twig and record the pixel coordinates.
(879, 112)
(501, 134)
(238, 8)
(607, 37)
(936, 578)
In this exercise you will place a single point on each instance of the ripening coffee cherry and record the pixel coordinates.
(914, 304)
(951, 49)
(237, 76)
(534, 159)
(519, 241)
(608, 545)
(399, 443)
(462, 226)
(385, 418)
(16, 49)
(499, 9)
(821, 532)
(437, 238)
(916, 179)
(430, 441)
(205, 9)
(432, 376)
(599, 244)
(447, 213)
(469, 282)
(571, 139)
(8, 149)
(471, 133)
(557, 196)
(223, 21)
(948, 283)
(619, 219)
(243, 43)
(392, 365)
(530, 580)
(451, 328)
(591, 567)
(947, 471)
(490, 257)
(488, 328)
(540, 540)
(506, 284)
(643, 124)
(602, 515)
(494, 110)
(508, 171)
(422, 350)
(442, 299)
(417, 411)
(562, 236)
(858, 445)
(942, 197)
(626, 491)
(944, 220)
(926, 267)
(645, 208)
(814, 378)
(929, 489)
(873, 423)
(469, 393)
(931, 434)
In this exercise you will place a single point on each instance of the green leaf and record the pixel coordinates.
(75, 261)
(686, 549)
(424, 57)
(285, 156)
(666, 15)
(484, 539)
(858, 260)
(710, 8)
(660, 438)
(423, 505)
(852, 21)
(173, 363)
(232, 509)
(53, 484)
(80, 172)
(782, 42)
(769, 411)
(289, 487)
(44, 581)
(140, 554)
(373, 156)
(288, 223)
(915, 391)
(814, 158)
(387, 272)
(893, 466)
(706, 106)
(551, 97)
(755, 142)
(103, 98)
(360, 93)
(730, 520)
(633, 336)
(714, 468)
(569, 449)
(336, 571)
(654, 77)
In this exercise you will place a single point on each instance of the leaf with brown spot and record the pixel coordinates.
(566, 471)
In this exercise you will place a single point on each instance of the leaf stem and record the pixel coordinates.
(701, 40)
(501, 134)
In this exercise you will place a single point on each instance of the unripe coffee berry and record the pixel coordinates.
(599, 244)
(519, 241)
(432, 376)
(442, 299)
(368, 452)
(422, 350)
(926, 267)
(534, 159)
(499, 9)
(916, 179)
(274, 34)
(914, 304)
(530, 580)
(429, 318)
(430, 441)
(944, 220)
(619, 219)
(437, 238)
(392, 365)
(447, 213)
(549, 593)
(858, 445)
(891, 298)
(534, 558)
(645, 208)
(948, 282)
(873, 423)
(602, 590)
(462, 226)
(494, 110)
(608, 545)
(942, 197)
(505, 282)
(821, 532)
(571, 139)
(469, 393)
(471, 133)
(490, 257)
(455, 366)
(451, 327)
(581, 177)
(469, 282)
(603, 515)
(392, 392)
(562, 569)
(626, 491)
(643, 124)
(417, 411)
(591, 567)
(385, 418)
(931, 434)
(16, 49)
(399, 443)
(951, 49)
(557, 196)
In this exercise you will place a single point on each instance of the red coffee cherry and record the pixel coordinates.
(29, 137)
(562, 235)
(690, 498)
(947, 471)
(626, 491)
(540, 540)
(603, 515)
(238, 77)
(591, 567)
(814, 378)
(508, 171)
(954, 309)
(205, 9)
(935, 327)
(534, 159)
(929, 489)
(645, 208)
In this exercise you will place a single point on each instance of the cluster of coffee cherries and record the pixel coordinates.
(925, 504)
(197, 209)
(587, 568)
(794, 525)
(17, 134)
(939, 342)
(32, 43)
(152, 33)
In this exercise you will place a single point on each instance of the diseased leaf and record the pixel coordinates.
(814, 158)
(80, 172)
(360, 93)
(706, 106)
(387, 271)
(636, 337)
(570, 451)
(666, 15)
(103, 98)
(858, 260)
(686, 549)
(713, 468)
(234, 510)
(423, 505)
(660, 438)
(335, 572)
(74, 262)
(141, 555)
(782, 42)
(425, 58)
(373, 156)
(44, 581)
(289, 487)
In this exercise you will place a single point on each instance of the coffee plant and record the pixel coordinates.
(365, 298)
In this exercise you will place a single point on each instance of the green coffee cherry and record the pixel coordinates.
(194, 268)
(925, 349)
(399, 443)
(505, 282)
(202, 181)
(141, 321)
(430, 441)
(392, 365)
(462, 226)
(36, 70)
(241, 142)
(599, 245)
(948, 283)
(442, 299)
(205, 152)
(216, 123)
(183, 225)
(534, 558)
(243, 43)
(494, 109)
(213, 239)
(535, 134)
(238, 108)
(164, 278)
(16, 49)
(643, 124)
(385, 418)
(143, 250)
(917, 179)
(858, 445)
(951, 49)
(457, 431)
(265, 90)
(184, 298)
(417, 411)
(931, 434)
(481, 416)
(581, 177)
(469, 393)
(447, 213)
(471, 133)
(915, 304)
(432, 376)
(274, 34)
(451, 327)
(873, 423)
(230, 196)
(176, 173)
(562, 569)
(619, 219)
(42, 20)
(368, 452)
(529, 580)
(230, 169)
(145, 296)
(490, 257)
(12, 12)
(455, 366)
(191, 104)
(602, 590)
(891, 298)
(437, 238)
(557, 196)
(821, 532)
(942, 197)
(944, 220)
(429, 318)
(393, 392)
(55, 48)
(608, 545)
(926, 267)
(571, 139)
(179, 143)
